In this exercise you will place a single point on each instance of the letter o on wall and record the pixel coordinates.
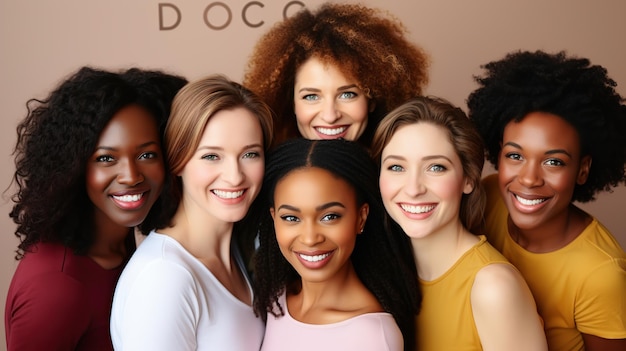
(206, 15)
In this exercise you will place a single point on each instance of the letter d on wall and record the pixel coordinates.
(162, 26)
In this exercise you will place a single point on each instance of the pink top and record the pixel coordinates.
(366, 332)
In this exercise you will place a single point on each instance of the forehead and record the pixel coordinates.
(130, 123)
(312, 185)
(419, 140)
(542, 129)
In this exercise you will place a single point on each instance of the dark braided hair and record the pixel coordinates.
(571, 88)
(383, 261)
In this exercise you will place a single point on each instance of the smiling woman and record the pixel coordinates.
(327, 269)
(89, 168)
(554, 128)
(185, 288)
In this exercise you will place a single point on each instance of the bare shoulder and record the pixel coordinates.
(498, 282)
(504, 310)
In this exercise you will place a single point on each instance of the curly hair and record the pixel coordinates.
(365, 44)
(461, 134)
(571, 88)
(55, 141)
(384, 262)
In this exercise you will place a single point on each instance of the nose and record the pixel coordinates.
(414, 185)
(233, 172)
(130, 173)
(530, 175)
(311, 236)
(329, 113)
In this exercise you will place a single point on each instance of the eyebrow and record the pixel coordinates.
(549, 152)
(318, 208)
(425, 158)
(111, 148)
(209, 147)
(341, 88)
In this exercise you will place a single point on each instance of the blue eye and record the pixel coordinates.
(310, 97)
(252, 154)
(210, 157)
(395, 168)
(437, 168)
(348, 95)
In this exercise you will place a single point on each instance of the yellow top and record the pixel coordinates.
(580, 288)
(445, 321)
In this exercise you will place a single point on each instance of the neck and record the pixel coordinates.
(553, 234)
(437, 252)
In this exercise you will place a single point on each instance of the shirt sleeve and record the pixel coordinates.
(601, 308)
(161, 310)
(45, 314)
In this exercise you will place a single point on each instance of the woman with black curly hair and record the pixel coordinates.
(554, 129)
(89, 169)
(327, 271)
(335, 72)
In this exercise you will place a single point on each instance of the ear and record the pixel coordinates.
(372, 105)
(272, 212)
(468, 187)
(583, 170)
(363, 212)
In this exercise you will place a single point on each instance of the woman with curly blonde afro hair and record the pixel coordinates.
(335, 72)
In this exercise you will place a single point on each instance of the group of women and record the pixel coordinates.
(323, 203)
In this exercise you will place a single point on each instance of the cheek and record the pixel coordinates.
(155, 173)
(387, 187)
(360, 112)
(303, 113)
(255, 172)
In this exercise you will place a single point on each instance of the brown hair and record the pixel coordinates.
(462, 135)
(193, 107)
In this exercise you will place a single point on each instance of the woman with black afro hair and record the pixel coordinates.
(554, 129)
(89, 170)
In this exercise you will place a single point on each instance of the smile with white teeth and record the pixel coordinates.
(528, 202)
(128, 198)
(417, 209)
(228, 194)
(314, 258)
(331, 131)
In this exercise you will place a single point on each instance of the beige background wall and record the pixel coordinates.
(42, 41)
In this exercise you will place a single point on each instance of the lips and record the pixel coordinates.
(228, 194)
(528, 203)
(131, 201)
(314, 260)
(331, 132)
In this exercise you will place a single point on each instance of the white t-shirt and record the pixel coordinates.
(168, 300)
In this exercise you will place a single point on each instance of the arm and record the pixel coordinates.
(504, 311)
(47, 313)
(601, 309)
(159, 311)
(596, 343)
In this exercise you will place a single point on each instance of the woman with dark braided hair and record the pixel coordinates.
(89, 169)
(335, 71)
(327, 271)
(554, 129)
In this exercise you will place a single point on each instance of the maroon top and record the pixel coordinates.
(59, 301)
